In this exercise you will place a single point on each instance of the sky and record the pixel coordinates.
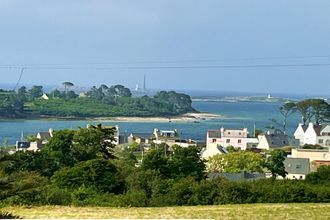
(222, 45)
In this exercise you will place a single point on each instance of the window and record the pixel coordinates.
(228, 132)
(240, 133)
(228, 141)
(327, 143)
(214, 140)
(284, 142)
(239, 141)
(320, 141)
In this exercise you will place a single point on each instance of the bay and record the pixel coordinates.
(234, 115)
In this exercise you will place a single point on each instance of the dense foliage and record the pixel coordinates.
(98, 102)
(84, 168)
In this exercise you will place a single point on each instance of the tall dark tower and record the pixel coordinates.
(145, 82)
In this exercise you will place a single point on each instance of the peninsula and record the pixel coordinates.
(98, 102)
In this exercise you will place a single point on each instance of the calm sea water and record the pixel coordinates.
(236, 115)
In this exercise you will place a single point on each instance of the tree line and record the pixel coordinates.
(316, 111)
(83, 167)
(102, 101)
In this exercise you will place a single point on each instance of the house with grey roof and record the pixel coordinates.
(237, 176)
(296, 168)
(273, 139)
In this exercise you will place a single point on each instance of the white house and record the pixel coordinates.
(313, 134)
(273, 139)
(213, 149)
(230, 137)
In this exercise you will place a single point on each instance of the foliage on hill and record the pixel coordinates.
(98, 102)
(79, 169)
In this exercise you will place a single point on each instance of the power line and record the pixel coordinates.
(19, 78)
(168, 67)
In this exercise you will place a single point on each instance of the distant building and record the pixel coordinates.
(311, 154)
(140, 138)
(297, 168)
(213, 149)
(274, 138)
(44, 136)
(237, 138)
(317, 163)
(168, 137)
(22, 145)
(45, 96)
(313, 134)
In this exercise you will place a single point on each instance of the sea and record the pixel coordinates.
(234, 115)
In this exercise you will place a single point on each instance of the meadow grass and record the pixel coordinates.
(248, 211)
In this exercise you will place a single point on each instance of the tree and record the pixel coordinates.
(67, 85)
(93, 142)
(313, 108)
(322, 176)
(22, 93)
(35, 92)
(156, 159)
(275, 163)
(100, 174)
(319, 108)
(286, 111)
(60, 148)
(186, 162)
(236, 162)
(120, 91)
(71, 95)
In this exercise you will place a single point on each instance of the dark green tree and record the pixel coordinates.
(275, 163)
(156, 159)
(186, 162)
(35, 92)
(93, 142)
(22, 93)
(322, 176)
(99, 174)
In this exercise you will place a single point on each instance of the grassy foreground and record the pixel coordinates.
(250, 211)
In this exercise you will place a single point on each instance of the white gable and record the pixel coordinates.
(326, 130)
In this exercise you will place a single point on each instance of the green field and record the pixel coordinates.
(250, 211)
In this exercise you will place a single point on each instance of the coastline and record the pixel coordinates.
(188, 117)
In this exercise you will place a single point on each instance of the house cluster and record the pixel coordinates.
(40, 140)
(218, 140)
(168, 137)
(298, 164)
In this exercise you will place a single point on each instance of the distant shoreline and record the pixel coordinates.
(188, 117)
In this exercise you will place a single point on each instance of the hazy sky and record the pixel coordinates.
(103, 41)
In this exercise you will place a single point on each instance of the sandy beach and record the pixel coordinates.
(188, 117)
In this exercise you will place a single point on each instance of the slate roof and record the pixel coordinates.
(277, 139)
(22, 144)
(237, 176)
(214, 134)
(44, 135)
(297, 165)
(143, 135)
